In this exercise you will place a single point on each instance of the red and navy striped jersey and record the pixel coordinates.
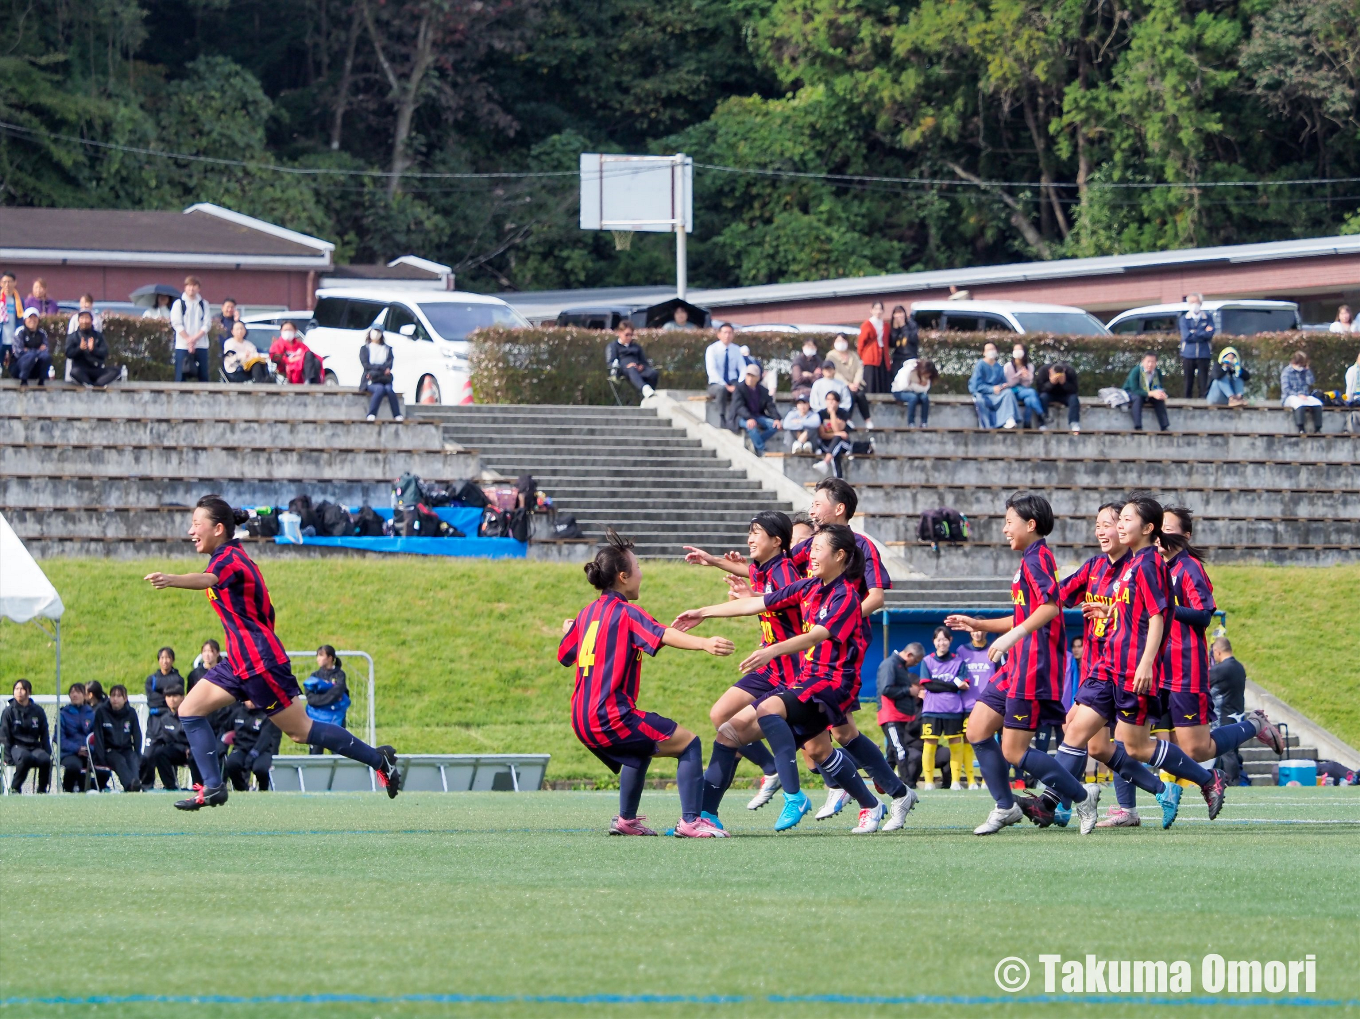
(605, 643)
(1141, 590)
(874, 573)
(783, 625)
(1035, 665)
(242, 603)
(1092, 584)
(837, 660)
(1185, 655)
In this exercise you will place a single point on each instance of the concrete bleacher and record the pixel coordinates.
(112, 472)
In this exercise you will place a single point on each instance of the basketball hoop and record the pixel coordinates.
(623, 239)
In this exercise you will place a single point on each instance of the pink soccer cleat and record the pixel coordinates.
(1266, 731)
(629, 826)
(700, 828)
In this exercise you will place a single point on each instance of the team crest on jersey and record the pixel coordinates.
(1016, 578)
(822, 613)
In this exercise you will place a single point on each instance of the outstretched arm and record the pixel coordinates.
(187, 581)
(762, 657)
(691, 618)
(720, 647)
(957, 622)
(1041, 616)
(732, 562)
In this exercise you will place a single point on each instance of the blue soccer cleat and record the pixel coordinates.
(795, 806)
(1170, 800)
(1062, 815)
(713, 820)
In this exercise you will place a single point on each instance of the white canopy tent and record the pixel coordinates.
(27, 595)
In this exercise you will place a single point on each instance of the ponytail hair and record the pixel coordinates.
(220, 512)
(776, 525)
(609, 561)
(1175, 543)
(1149, 511)
(1184, 515)
(842, 539)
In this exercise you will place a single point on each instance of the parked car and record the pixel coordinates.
(427, 329)
(1231, 318)
(1006, 317)
(125, 308)
(643, 316)
(301, 319)
(797, 327)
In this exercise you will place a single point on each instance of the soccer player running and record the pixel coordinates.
(768, 540)
(828, 682)
(256, 667)
(1028, 693)
(606, 642)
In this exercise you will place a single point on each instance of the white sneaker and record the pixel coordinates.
(399, 418)
(957, 785)
(1076, 428)
(897, 813)
(1010, 423)
(999, 819)
(836, 799)
(1043, 428)
(869, 819)
(648, 391)
(868, 424)
(821, 467)
(1089, 809)
(371, 417)
(769, 785)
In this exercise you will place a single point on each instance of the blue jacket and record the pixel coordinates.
(1197, 335)
(332, 709)
(985, 376)
(76, 724)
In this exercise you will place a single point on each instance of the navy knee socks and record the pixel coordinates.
(689, 779)
(722, 765)
(343, 742)
(203, 745)
(1125, 792)
(865, 753)
(1133, 772)
(995, 772)
(1053, 775)
(785, 750)
(1172, 758)
(846, 772)
(631, 780)
(1231, 736)
(760, 756)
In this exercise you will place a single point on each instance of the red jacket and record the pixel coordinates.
(289, 355)
(869, 350)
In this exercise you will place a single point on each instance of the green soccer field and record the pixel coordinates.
(494, 904)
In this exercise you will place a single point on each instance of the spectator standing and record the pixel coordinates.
(753, 410)
(912, 387)
(1197, 337)
(226, 319)
(75, 724)
(375, 358)
(32, 357)
(86, 304)
(1058, 383)
(167, 747)
(1146, 386)
(1353, 380)
(1345, 321)
(11, 315)
(834, 436)
(88, 354)
(327, 691)
(190, 319)
(39, 301)
(118, 738)
(899, 712)
(164, 681)
(26, 743)
(1227, 380)
(627, 354)
(801, 425)
(944, 678)
(724, 365)
(254, 744)
(1228, 689)
(829, 382)
(208, 657)
(873, 350)
(994, 398)
(1296, 392)
(850, 369)
(904, 338)
(680, 320)
(293, 359)
(1020, 377)
(160, 308)
(805, 370)
(241, 359)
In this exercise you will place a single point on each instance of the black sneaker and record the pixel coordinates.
(1037, 810)
(1214, 792)
(388, 775)
(204, 798)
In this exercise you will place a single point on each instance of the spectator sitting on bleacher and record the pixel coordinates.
(254, 744)
(1228, 690)
(165, 680)
(805, 370)
(912, 387)
(1296, 392)
(118, 738)
(167, 747)
(77, 723)
(801, 424)
(850, 369)
(241, 361)
(26, 743)
(993, 396)
(293, 359)
(1146, 385)
(752, 410)
(327, 691)
(828, 383)
(375, 358)
(88, 354)
(86, 304)
(32, 357)
(632, 363)
(94, 694)
(834, 437)
(1057, 383)
(208, 657)
(1020, 377)
(1227, 378)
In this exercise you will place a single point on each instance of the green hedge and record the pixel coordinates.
(553, 365)
(145, 345)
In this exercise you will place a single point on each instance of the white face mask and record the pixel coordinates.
(288, 334)
(842, 345)
(810, 351)
(1194, 308)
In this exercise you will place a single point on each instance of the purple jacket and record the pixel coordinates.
(43, 306)
(951, 668)
(981, 669)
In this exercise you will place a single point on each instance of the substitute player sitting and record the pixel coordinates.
(606, 642)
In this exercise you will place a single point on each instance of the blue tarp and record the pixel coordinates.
(487, 548)
(466, 518)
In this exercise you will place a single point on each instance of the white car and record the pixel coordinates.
(427, 330)
(1231, 318)
(1006, 317)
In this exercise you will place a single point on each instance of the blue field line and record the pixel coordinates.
(1257, 1001)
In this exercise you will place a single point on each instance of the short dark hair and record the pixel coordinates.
(85, 313)
(10, 275)
(609, 561)
(23, 683)
(1149, 353)
(212, 643)
(1184, 515)
(1223, 644)
(1032, 506)
(74, 687)
(776, 525)
(118, 688)
(166, 650)
(840, 491)
(942, 630)
(228, 300)
(287, 322)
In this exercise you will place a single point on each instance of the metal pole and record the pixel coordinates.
(681, 203)
(681, 270)
(54, 782)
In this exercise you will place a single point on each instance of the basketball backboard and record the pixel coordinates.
(653, 194)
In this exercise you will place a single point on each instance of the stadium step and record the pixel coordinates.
(185, 402)
(391, 436)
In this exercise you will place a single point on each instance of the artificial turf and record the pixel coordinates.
(111, 901)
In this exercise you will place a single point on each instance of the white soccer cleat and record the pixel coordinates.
(957, 785)
(897, 813)
(648, 391)
(999, 819)
(836, 799)
(869, 819)
(1010, 423)
(1076, 429)
(769, 785)
(1088, 810)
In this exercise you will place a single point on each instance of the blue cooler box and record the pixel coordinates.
(1302, 772)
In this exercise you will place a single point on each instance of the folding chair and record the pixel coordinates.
(615, 380)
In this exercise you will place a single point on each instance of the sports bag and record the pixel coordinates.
(263, 523)
(495, 524)
(333, 521)
(943, 524)
(367, 523)
(469, 493)
(565, 526)
(302, 506)
(519, 524)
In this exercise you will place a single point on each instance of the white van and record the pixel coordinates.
(1006, 317)
(1230, 318)
(427, 331)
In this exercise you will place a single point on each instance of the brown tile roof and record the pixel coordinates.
(198, 233)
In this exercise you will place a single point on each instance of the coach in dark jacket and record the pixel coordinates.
(1228, 690)
(32, 356)
(24, 736)
(87, 353)
(1058, 383)
(255, 741)
(626, 353)
(118, 738)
